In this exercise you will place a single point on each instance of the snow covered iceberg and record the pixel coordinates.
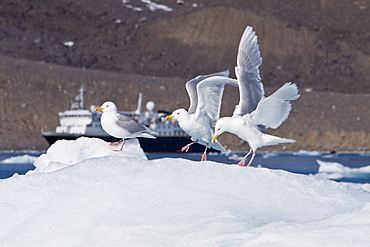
(336, 171)
(64, 153)
(98, 197)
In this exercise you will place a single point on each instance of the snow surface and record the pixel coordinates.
(83, 193)
(68, 43)
(152, 6)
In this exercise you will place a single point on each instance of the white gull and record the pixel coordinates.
(255, 113)
(121, 126)
(205, 93)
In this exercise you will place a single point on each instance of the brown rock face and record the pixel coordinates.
(49, 49)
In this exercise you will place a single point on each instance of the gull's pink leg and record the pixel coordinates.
(250, 162)
(117, 143)
(186, 148)
(123, 143)
(242, 162)
(204, 155)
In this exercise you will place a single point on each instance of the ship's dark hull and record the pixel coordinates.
(168, 144)
(162, 144)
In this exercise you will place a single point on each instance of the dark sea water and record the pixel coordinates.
(341, 167)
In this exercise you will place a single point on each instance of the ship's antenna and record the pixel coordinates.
(138, 109)
(82, 91)
(78, 102)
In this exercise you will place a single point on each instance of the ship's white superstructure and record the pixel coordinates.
(80, 121)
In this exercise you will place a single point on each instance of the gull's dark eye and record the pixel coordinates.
(178, 113)
(107, 106)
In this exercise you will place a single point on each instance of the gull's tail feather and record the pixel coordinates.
(274, 140)
(216, 145)
(147, 135)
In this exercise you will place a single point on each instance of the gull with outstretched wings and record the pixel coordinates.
(205, 93)
(255, 113)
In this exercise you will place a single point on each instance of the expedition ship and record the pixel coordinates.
(78, 122)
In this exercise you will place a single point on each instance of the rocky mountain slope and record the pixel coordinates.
(117, 49)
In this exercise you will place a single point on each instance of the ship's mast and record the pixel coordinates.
(78, 103)
(138, 109)
(82, 91)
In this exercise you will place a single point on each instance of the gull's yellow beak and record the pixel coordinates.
(214, 138)
(98, 109)
(169, 117)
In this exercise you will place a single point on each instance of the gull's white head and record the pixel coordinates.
(107, 107)
(178, 114)
(221, 127)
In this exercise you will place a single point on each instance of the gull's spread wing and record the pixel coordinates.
(248, 75)
(210, 93)
(272, 111)
(191, 87)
